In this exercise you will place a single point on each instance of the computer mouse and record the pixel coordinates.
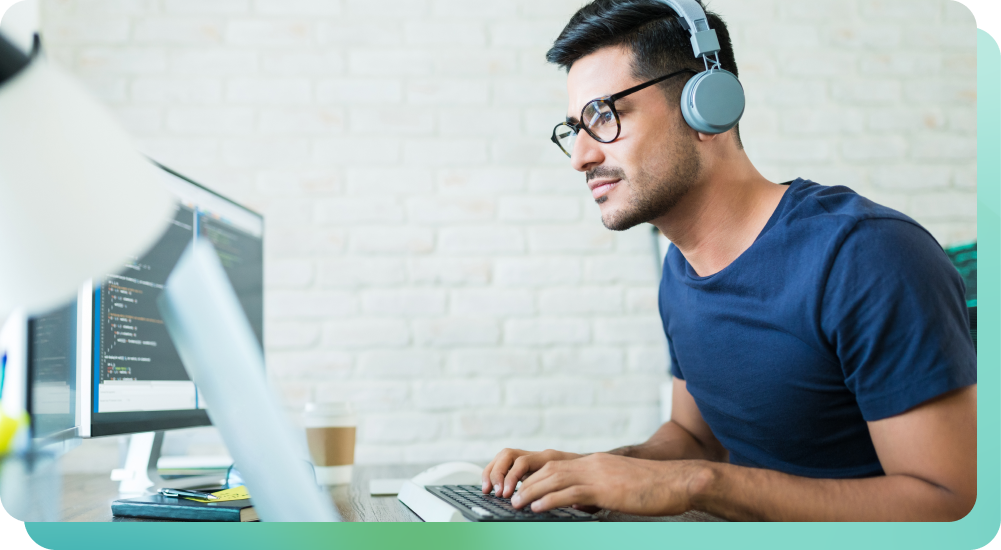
(450, 473)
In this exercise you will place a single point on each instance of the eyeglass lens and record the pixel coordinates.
(565, 137)
(599, 118)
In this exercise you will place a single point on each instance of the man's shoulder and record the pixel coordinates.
(812, 227)
(836, 204)
(839, 221)
(829, 217)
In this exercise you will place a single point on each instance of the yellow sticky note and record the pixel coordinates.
(236, 493)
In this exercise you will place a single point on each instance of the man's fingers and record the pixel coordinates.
(485, 476)
(554, 489)
(523, 465)
(501, 464)
(548, 479)
(513, 465)
(526, 464)
(576, 494)
(501, 467)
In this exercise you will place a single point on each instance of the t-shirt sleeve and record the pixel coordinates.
(894, 311)
(674, 367)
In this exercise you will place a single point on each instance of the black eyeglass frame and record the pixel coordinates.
(610, 101)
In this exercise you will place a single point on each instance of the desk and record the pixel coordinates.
(88, 497)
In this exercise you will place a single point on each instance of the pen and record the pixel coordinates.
(183, 493)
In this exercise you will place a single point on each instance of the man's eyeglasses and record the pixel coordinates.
(599, 118)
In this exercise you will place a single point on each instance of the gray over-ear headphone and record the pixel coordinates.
(712, 101)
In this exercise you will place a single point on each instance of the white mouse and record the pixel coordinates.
(450, 473)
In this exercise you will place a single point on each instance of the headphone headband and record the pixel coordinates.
(693, 18)
(712, 102)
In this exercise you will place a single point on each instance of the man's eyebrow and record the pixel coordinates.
(571, 120)
(624, 102)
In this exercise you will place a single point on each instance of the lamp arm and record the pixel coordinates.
(12, 60)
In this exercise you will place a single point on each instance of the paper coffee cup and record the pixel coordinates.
(330, 433)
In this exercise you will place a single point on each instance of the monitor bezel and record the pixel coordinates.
(162, 420)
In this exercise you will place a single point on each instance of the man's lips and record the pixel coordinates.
(600, 188)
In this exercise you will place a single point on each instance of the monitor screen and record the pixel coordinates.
(52, 375)
(137, 382)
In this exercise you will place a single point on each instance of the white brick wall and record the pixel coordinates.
(430, 254)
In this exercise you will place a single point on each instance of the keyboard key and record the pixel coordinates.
(480, 512)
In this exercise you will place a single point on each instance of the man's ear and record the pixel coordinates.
(707, 137)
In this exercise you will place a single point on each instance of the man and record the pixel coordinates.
(819, 346)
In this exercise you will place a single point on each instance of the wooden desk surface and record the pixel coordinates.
(88, 497)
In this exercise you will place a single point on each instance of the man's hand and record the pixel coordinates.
(630, 485)
(511, 465)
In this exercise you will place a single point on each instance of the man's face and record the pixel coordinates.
(643, 174)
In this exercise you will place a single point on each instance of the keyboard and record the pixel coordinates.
(475, 506)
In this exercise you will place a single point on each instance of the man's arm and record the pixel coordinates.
(928, 454)
(685, 436)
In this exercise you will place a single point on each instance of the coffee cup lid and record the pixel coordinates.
(333, 408)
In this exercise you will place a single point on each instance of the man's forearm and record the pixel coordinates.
(745, 494)
(672, 442)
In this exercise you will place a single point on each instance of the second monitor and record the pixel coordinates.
(130, 376)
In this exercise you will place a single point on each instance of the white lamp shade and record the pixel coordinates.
(76, 198)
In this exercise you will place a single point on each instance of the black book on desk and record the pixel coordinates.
(163, 507)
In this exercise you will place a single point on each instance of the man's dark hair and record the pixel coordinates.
(651, 30)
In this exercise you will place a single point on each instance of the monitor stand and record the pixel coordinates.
(140, 474)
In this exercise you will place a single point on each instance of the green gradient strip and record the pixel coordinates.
(507, 537)
(974, 531)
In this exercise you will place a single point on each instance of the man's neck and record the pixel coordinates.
(722, 216)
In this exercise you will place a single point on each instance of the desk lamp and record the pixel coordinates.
(69, 178)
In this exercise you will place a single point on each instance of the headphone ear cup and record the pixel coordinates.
(686, 110)
(712, 102)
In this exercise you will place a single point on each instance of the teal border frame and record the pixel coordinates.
(973, 531)
(988, 516)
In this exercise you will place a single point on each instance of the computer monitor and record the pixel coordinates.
(38, 375)
(52, 376)
(130, 377)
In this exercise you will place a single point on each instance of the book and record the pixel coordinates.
(163, 507)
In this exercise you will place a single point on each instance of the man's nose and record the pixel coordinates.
(586, 152)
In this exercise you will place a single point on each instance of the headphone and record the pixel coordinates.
(712, 101)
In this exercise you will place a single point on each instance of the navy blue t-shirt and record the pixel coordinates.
(841, 312)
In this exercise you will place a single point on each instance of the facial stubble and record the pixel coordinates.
(653, 192)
